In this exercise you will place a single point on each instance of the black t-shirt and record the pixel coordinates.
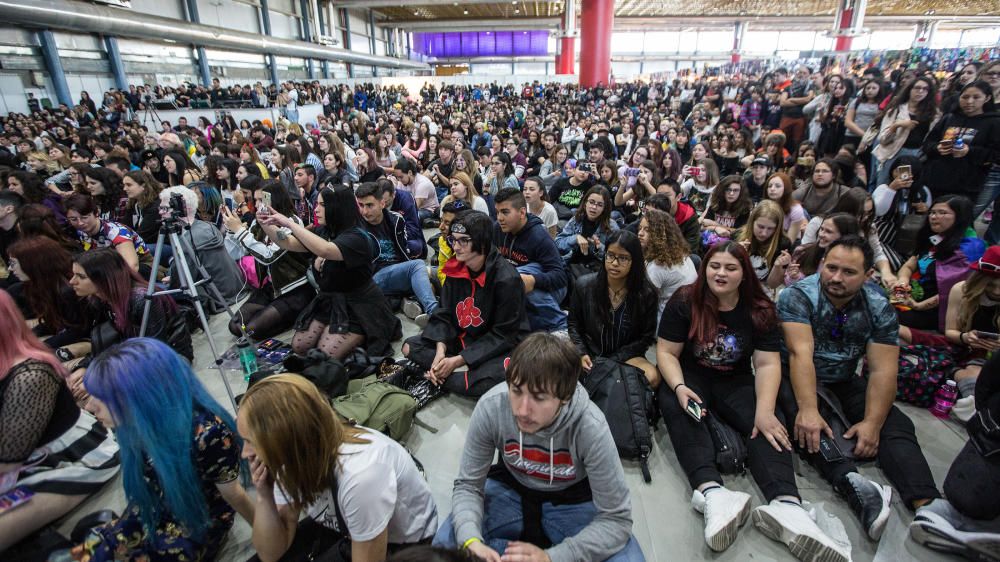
(568, 194)
(731, 351)
(359, 250)
(388, 252)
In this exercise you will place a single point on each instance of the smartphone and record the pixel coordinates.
(270, 344)
(988, 335)
(14, 498)
(947, 143)
(805, 161)
(905, 172)
(830, 451)
(631, 172)
(693, 409)
(266, 202)
(689, 170)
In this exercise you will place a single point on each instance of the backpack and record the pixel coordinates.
(377, 405)
(922, 369)
(622, 392)
(730, 447)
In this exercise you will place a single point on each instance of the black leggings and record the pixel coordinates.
(973, 484)
(899, 453)
(266, 317)
(733, 400)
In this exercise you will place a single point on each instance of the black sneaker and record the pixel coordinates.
(869, 501)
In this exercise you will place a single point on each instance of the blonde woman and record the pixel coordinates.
(303, 458)
(463, 189)
(763, 239)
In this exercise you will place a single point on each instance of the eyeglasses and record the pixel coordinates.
(735, 190)
(455, 241)
(837, 330)
(596, 204)
(619, 259)
(992, 74)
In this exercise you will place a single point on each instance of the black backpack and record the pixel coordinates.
(622, 392)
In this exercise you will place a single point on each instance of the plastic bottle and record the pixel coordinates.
(248, 359)
(944, 399)
(959, 143)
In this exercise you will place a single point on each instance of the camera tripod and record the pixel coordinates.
(172, 228)
(150, 112)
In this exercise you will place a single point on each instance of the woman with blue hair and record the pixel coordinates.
(180, 457)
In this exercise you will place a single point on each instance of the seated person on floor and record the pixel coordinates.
(398, 268)
(95, 233)
(567, 193)
(523, 240)
(450, 211)
(277, 282)
(203, 244)
(359, 489)
(180, 457)
(559, 484)
(481, 317)
(668, 258)
(582, 241)
(610, 313)
(44, 269)
(767, 246)
(70, 455)
(350, 310)
(401, 202)
(719, 351)
(409, 179)
(946, 245)
(668, 201)
(118, 295)
(831, 321)
(968, 522)
(727, 209)
(806, 258)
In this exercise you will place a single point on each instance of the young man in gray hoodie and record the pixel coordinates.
(558, 493)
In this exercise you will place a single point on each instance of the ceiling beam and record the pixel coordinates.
(413, 4)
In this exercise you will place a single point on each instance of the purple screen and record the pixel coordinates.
(482, 43)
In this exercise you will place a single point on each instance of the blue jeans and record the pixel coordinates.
(502, 523)
(544, 310)
(405, 278)
(424, 214)
(292, 115)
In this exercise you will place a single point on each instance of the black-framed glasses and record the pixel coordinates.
(840, 321)
(616, 258)
(455, 241)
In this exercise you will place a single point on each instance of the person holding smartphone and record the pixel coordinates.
(719, 355)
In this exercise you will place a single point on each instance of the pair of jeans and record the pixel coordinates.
(405, 278)
(292, 115)
(545, 312)
(899, 453)
(732, 399)
(424, 214)
(503, 522)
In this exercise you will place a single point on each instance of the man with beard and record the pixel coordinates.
(832, 320)
(823, 192)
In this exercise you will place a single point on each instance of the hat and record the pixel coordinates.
(147, 155)
(989, 263)
(761, 161)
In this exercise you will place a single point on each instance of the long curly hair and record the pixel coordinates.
(665, 244)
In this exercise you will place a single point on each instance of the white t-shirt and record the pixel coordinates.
(422, 188)
(667, 280)
(293, 99)
(548, 215)
(378, 487)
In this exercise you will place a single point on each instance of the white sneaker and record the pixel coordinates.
(411, 308)
(964, 409)
(725, 512)
(939, 526)
(422, 319)
(792, 525)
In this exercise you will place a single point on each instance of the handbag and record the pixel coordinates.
(730, 447)
(867, 139)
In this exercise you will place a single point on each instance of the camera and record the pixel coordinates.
(178, 208)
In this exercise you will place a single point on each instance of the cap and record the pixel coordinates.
(761, 161)
(989, 263)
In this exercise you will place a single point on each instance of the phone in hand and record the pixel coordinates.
(689, 170)
(987, 335)
(265, 203)
(631, 172)
(693, 409)
(905, 172)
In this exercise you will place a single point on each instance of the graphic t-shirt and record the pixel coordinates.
(388, 253)
(730, 352)
(112, 234)
(840, 337)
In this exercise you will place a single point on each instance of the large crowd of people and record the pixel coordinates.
(757, 245)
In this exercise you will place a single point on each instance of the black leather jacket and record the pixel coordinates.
(638, 328)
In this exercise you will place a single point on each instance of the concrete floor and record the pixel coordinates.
(665, 525)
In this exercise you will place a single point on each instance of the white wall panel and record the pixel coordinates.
(528, 68)
(230, 15)
(165, 8)
(283, 26)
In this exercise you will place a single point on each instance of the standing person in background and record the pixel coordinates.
(903, 125)
(795, 94)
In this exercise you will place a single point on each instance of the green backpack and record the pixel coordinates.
(377, 405)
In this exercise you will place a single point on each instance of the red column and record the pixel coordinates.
(843, 41)
(566, 61)
(598, 18)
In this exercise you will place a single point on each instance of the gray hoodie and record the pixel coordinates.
(577, 445)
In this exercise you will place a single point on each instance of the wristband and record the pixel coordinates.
(680, 384)
(961, 338)
(466, 544)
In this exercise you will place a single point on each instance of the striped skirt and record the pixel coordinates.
(79, 462)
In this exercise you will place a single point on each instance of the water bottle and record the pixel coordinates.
(248, 359)
(959, 143)
(944, 399)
